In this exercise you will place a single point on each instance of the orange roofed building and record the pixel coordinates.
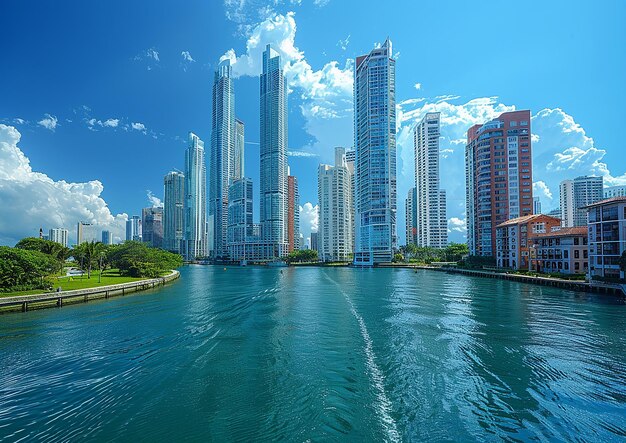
(513, 238)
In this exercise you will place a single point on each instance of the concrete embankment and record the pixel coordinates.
(58, 299)
(573, 285)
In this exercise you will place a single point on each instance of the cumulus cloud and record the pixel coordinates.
(187, 56)
(326, 93)
(138, 127)
(111, 123)
(154, 200)
(417, 86)
(456, 224)
(108, 123)
(30, 200)
(540, 189)
(301, 154)
(48, 122)
(309, 218)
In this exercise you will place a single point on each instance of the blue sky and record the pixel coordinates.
(96, 99)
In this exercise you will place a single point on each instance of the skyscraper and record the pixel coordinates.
(238, 157)
(431, 223)
(152, 226)
(273, 148)
(375, 144)
(350, 164)
(240, 223)
(195, 199)
(59, 235)
(574, 194)
(498, 174)
(293, 213)
(173, 211)
(335, 216)
(133, 228)
(411, 217)
(222, 165)
(85, 232)
(107, 238)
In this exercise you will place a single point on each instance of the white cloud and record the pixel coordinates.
(111, 123)
(154, 200)
(138, 127)
(301, 154)
(343, 43)
(326, 93)
(417, 86)
(30, 200)
(309, 218)
(456, 224)
(48, 122)
(540, 189)
(150, 56)
(187, 56)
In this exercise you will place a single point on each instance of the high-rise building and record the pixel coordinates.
(238, 157)
(411, 217)
(498, 174)
(607, 238)
(240, 224)
(375, 145)
(195, 200)
(85, 232)
(273, 148)
(350, 164)
(314, 242)
(615, 191)
(152, 226)
(107, 238)
(59, 235)
(222, 164)
(133, 228)
(574, 194)
(334, 195)
(173, 211)
(431, 222)
(536, 205)
(293, 214)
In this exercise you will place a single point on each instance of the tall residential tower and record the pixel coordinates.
(222, 164)
(273, 148)
(375, 145)
(173, 211)
(431, 222)
(499, 177)
(195, 200)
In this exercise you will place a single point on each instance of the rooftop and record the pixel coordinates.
(606, 201)
(524, 219)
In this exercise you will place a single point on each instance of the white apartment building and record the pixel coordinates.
(431, 222)
(334, 192)
(574, 195)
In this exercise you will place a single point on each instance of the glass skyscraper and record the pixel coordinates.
(195, 199)
(222, 164)
(273, 148)
(375, 145)
(173, 211)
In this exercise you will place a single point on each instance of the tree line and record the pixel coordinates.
(33, 262)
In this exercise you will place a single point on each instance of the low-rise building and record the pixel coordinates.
(513, 238)
(607, 237)
(563, 250)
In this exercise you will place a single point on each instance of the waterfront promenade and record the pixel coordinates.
(58, 299)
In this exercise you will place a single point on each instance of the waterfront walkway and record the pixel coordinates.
(57, 299)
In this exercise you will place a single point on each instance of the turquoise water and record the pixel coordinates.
(317, 354)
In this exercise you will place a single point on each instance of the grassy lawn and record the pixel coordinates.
(109, 277)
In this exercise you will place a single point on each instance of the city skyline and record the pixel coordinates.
(562, 142)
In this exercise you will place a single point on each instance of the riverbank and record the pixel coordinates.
(574, 285)
(58, 299)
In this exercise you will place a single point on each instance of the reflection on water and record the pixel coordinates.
(317, 354)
